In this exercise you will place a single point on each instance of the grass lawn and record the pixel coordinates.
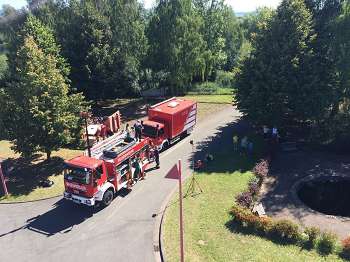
(218, 91)
(215, 99)
(208, 233)
(23, 184)
(5, 150)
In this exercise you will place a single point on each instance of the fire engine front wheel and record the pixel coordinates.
(107, 197)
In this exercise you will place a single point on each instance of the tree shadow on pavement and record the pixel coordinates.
(61, 219)
(287, 169)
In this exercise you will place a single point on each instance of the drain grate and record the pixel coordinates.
(156, 248)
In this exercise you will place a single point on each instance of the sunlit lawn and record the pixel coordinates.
(216, 99)
(207, 234)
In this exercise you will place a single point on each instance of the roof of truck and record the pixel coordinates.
(85, 161)
(173, 105)
(153, 123)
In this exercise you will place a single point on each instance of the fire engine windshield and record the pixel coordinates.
(79, 175)
(149, 131)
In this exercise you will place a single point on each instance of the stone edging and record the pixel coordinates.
(30, 201)
(301, 204)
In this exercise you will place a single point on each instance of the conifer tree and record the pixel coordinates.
(280, 81)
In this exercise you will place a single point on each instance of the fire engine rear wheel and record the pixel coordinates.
(165, 146)
(107, 197)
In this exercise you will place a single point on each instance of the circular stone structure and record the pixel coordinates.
(329, 195)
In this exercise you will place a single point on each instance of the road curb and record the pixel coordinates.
(30, 201)
(157, 231)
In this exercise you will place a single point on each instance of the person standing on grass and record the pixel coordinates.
(235, 143)
(244, 144)
(250, 148)
(275, 135)
(266, 132)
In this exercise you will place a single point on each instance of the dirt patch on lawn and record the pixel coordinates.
(279, 191)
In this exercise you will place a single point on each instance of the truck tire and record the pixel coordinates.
(107, 197)
(165, 146)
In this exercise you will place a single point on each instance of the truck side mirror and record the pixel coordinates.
(97, 175)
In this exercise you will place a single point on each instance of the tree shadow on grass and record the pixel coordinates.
(23, 176)
(130, 109)
(220, 145)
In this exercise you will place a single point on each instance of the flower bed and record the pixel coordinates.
(284, 230)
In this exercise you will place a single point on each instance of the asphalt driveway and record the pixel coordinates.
(56, 230)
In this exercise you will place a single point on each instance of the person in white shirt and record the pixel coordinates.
(266, 131)
(275, 134)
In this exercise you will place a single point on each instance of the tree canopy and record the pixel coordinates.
(280, 82)
(38, 111)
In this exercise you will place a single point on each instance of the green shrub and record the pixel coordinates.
(265, 224)
(205, 88)
(313, 233)
(208, 88)
(240, 214)
(224, 79)
(286, 230)
(261, 169)
(246, 218)
(245, 199)
(326, 244)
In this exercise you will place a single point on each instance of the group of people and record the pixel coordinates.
(243, 145)
(271, 133)
(137, 130)
(137, 163)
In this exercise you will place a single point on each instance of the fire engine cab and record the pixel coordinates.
(111, 167)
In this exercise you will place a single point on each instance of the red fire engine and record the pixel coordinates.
(111, 167)
(115, 160)
(170, 120)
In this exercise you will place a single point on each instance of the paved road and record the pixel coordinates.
(54, 230)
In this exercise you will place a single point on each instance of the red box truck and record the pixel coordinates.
(169, 121)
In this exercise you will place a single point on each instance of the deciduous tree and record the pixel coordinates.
(176, 45)
(38, 110)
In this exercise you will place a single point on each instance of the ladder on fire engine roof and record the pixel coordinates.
(107, 144)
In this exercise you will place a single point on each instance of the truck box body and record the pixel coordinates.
(177, 115)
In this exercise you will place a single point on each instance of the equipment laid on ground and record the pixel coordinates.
(194, 183)
(103, 126)
(169, 121)
(110, 168)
